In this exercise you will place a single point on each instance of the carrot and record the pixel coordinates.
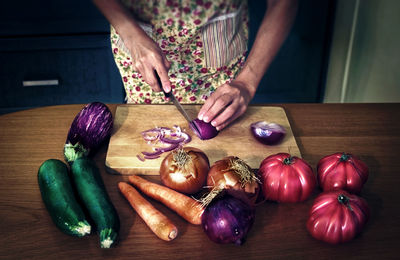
(188, 208)
(154, 219)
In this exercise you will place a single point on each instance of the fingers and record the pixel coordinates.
(163, 74)
(226, 104)
(150, 64)
(224, 119)
(218, 103)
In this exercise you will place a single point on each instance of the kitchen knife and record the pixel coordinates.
(178, 105)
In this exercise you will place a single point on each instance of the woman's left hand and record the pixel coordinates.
(227, 103)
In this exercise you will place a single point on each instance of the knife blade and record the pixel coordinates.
(178, 105)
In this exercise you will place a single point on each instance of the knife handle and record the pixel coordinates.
(167, 95)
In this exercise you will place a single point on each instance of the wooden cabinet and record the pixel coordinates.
(55, 52)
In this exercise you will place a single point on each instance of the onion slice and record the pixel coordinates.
(268, 133)
(163, 139)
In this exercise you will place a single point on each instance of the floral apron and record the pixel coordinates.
(205, 41)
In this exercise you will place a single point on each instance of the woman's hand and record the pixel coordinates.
(227, 103)
(230, 101)
(148, 59)
(147, 56)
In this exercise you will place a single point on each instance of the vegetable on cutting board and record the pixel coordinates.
(163, 139)
(188, 208)
(89, 129)
(92, 192)
(185, 170)
(205, 130)
(267, 133)
(59, 199)
(342, 171)
(155, 220)
(337, 216)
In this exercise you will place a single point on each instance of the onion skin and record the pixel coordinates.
(268, 133)
(216, 178)
(89, 129)
(286, 178)
(194, 172)
(337, 216)
(206, 130)
(228, 220)
(341, 171)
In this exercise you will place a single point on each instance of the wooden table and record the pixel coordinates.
(372, 131)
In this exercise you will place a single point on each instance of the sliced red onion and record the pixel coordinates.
(169, 148)
(156, 152)
(186, 137)
(268, 133)
(171, 141)
(152, 156)
(140, 157)
(206, 130)
(162, 136)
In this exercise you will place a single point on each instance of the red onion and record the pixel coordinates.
(163, 139)
(205, 130)
(228, 220)
(268, 133)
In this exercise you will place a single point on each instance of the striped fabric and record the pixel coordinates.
(223, 39)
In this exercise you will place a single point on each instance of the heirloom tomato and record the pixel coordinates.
(286, 178)
(342, 171)
(337, 216)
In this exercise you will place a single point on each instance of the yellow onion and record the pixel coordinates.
(185, 170)
(236, 177)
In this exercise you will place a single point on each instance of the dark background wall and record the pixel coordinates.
(68, 41)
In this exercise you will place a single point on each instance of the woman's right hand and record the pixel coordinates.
(148, 59)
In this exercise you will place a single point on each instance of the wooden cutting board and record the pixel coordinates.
(130, 120)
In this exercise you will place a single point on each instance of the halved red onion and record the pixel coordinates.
(206, 130)
(268, 133)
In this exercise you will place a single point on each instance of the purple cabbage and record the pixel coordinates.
(90, 128)
(228, 220)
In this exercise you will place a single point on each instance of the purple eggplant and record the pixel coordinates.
(90, 128)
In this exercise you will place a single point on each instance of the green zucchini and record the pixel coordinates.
(92, 192)
(59, 199)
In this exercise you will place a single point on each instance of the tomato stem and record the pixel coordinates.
(344, 157)
(344, 200)
(288, 160)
